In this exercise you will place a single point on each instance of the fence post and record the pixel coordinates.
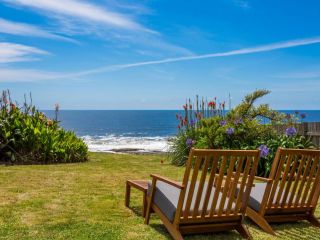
(305, 129)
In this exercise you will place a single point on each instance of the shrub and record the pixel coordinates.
(211, 127)
(27, 136)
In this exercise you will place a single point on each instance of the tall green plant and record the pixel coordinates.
(240, 128)
(27, 136)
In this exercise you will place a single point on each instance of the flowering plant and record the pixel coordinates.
(28, 136)
(240, 128)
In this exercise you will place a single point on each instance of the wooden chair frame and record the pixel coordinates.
(292, 189)
(235, 168)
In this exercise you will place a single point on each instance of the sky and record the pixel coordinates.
(152, 54)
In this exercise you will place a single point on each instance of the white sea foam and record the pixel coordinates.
(112, 143)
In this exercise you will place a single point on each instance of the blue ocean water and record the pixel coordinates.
(138, 130)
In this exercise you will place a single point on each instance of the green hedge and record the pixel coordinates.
(27, 136)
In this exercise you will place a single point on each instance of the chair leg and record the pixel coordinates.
(127, 196)
(175, 234)
(147, 212)
(243, 230)
(172, 229)
(259, 220)
(314, 221)
(149, 201)
(145, 205)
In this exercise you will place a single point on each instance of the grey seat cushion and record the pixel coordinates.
(166, 198)
(257, 193)
(256, 196)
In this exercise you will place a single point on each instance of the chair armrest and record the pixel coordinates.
(267, 180)
(167, 180)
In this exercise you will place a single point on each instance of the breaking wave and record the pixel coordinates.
(113, 143)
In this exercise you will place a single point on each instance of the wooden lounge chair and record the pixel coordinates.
(205, 201)
(290, 193)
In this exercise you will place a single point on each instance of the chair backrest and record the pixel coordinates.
(296, 179)
(218, 184)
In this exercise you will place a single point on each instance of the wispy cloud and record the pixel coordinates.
(12, 52)
(26, 75)
(243, 51)
(112, 22)
(242, 4)
(22, 29)
(82, 10)
(301, 75)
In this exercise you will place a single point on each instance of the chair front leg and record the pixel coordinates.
(149, 201)
(313, 220)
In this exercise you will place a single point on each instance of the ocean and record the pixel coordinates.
(130, 130)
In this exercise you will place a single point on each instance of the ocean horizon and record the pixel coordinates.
(140, 131)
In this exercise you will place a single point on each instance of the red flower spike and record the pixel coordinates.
(185, 107)
(13, 106)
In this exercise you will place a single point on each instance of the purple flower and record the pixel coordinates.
(230, 131)
(223, 122)
(190, 142)
(264, 151)
(238, 121)
(192, 123)
(291, 131)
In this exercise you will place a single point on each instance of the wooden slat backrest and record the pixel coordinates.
(296, 175)
(217, 184)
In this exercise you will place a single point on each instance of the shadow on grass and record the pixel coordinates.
(136, 210)
(232, 235)
(290, 230)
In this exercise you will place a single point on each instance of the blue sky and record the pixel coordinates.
(153, 54)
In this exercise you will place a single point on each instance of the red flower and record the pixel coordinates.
(50, 122)
(56, 107)
(13, 106)
(211, 104)
(190, 106)
(179, 126)
(185, 107)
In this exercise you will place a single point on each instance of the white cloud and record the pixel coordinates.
(76, 18)
(22, 29)
(258, 49)
(12, 52)
(82, 10)
(25, 75)
(242, 4)
(301, 75)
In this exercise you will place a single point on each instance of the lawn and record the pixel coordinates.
(86, 201)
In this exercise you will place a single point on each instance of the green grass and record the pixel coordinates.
(86, 201)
